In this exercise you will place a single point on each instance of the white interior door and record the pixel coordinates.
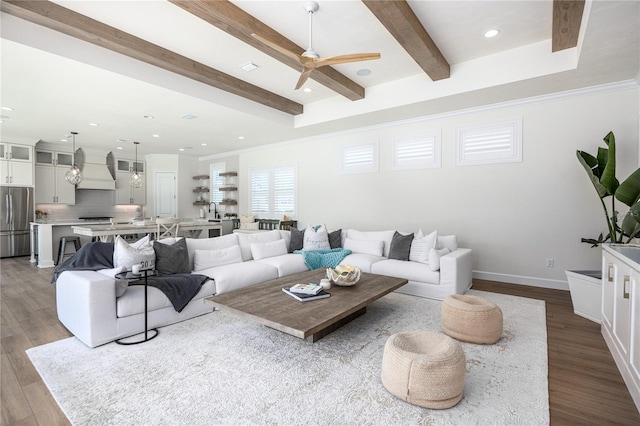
(166, 194)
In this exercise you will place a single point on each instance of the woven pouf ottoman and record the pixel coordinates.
(471, 319)
(424, 368)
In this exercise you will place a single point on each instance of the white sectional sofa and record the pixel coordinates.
(88, 306)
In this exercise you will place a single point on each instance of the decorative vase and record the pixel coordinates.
(344, 275)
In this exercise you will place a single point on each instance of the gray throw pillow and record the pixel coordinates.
(335, 239)
(172, 259)
(297, 240)
(400, 246)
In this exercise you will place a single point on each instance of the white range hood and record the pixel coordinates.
(95, 173)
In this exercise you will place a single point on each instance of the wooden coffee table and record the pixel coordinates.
(267, 304)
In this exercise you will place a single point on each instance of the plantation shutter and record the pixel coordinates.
(490, 143)
(259, 196)
(360, 158)
(284, 190)
(416, 152)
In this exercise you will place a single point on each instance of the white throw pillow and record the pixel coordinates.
(421, 246)
(205, 259)
(247, 219)
(447, 241)
(316, 239)
(434, 258)
(272, 249)
(141, 252)
(249, 226)
(372, 247)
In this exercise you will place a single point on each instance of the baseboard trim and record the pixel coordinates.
(521, 280)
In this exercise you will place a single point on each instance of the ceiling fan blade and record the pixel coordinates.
(304, 76)
(343, 59)
(277, 47)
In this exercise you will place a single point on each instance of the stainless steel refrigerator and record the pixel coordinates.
(16, 212)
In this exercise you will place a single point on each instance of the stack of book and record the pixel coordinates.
(306, 292)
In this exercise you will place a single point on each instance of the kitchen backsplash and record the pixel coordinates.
(91, 203)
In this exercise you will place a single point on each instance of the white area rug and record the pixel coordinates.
(221, 369)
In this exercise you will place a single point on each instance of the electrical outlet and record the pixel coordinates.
(550, 262)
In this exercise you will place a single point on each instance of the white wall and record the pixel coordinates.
(514, 216)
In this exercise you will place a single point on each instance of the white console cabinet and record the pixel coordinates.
(621, 311)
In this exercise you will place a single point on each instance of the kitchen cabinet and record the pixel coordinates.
(16, 164)
(621, 311)
(52, 187)
(125, 193)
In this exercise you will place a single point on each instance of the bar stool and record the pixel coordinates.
(63, 245)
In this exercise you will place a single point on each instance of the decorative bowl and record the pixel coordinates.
(344, 275)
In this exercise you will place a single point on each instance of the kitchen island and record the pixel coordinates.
(192, 229)
(42, 238)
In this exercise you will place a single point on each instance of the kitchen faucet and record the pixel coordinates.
(215, 210)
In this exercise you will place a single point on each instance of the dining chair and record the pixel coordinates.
(167, 227)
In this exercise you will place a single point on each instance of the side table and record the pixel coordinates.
(131, 277)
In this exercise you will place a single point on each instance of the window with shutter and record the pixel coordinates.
(216, 182)
(489, 143)
(273, 191)
(417, 152)
(359, 158)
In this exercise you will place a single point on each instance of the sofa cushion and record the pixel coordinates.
(245, 241)
(286, 264)
(421, 245)
(223, 242)
(316, 238)
(375, 248)
(132, 303)
(447, 241)
(205, 259)
(264, 250)
(361, 260)
(172, 259)
(434, 257)
(412, 271)
(400, 246)
(385, 236)
(335, 239)
(140, 252)
(239, 275)
(297, 240)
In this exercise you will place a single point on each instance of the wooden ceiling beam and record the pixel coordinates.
(66, 21)
(231, 19)
(404, 26)
(567, 18)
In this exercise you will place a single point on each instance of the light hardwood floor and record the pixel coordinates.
(585, 386)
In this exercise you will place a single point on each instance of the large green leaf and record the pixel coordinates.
(608, 178)
(631, 221)
(629, 191)
(590, 163)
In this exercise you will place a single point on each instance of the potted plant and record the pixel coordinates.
(585, 286)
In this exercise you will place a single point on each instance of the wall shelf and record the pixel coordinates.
(228, 174)
(201, 177)
(201, 190)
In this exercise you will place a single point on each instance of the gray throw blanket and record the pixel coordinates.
(179, 288)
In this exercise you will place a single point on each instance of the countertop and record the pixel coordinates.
(70, 222)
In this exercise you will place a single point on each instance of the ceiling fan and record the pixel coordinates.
(309, 59)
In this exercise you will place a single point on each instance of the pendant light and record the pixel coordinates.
(135, 180)
(74, 175)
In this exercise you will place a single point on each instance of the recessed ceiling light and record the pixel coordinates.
(203, 144)
(240, 137)
(64, 140)
(307, 90)
(119, 147)
(7, 108)
(149, 117)
(94, 124)
(180, 149)
(250, 66)
(189, 116)
(156, 136)
(363, 72)
(491, 33)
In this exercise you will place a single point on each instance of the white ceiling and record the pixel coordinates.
(57, 84)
